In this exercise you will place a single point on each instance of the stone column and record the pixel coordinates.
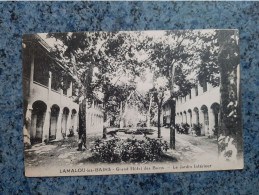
(27, 126)
(59, 135)
(211, 121)
(32, 70)
(46, 125)
(188, 118)
(50, 80)
(68, 122)
(75, 123)
(194, 116)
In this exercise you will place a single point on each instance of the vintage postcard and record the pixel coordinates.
(127, 102)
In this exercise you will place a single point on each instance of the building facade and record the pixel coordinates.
(94, 117)
(167, 108)
(200, 106)
(50, 109)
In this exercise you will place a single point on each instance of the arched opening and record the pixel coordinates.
(215, 121)
(205, 125)
(190, 117)
(64, 127)
(73, 121)
(37, 121)
(53, 121)
(177, 118)
(181, 115)
(197, 117)
(184, 117)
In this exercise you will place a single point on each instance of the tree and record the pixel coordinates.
(111, 53)
(230, 131)
(160, 94)
(168, 55)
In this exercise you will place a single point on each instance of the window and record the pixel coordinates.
(204, 86)
(41, 69)
(56, 81)
(196, 90)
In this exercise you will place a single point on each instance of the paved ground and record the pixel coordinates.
(188, 149)
(192, 148)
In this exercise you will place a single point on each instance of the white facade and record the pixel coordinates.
(49, 114)
(94, 118)
(200, 106)
(166, 112)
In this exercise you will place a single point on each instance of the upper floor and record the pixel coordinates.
(199, 94)
(44, 77)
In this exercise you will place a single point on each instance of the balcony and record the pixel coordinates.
(42, 92)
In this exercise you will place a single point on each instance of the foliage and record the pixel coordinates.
(185, 127)
(215, 131)
(182, 128)
(227, 147)
(132, 150)
(197, 128)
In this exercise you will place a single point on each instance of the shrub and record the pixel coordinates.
(131, 150)
(185, 128)
(71, 132)
(215, 131)
(177, 127)
(197, 128)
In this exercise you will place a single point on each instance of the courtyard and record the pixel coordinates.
(64, 153)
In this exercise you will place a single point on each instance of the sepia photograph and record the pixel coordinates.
(130, 102)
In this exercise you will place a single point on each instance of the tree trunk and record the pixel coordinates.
(172, 121)
(230, 142)
(158, 122)
(104, 122)
(172, 125)
(121, 116)
(82, 125)
(148, 114)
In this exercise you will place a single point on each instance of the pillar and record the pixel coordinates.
(75, 123)
(194, 116)
(59, 135)
(188, 118)
(68, 123)
(46, 125)
(50, 80)
(32, 70)
(27, 126)
(211, 121)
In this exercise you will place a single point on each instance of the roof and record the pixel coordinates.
(36, 38)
